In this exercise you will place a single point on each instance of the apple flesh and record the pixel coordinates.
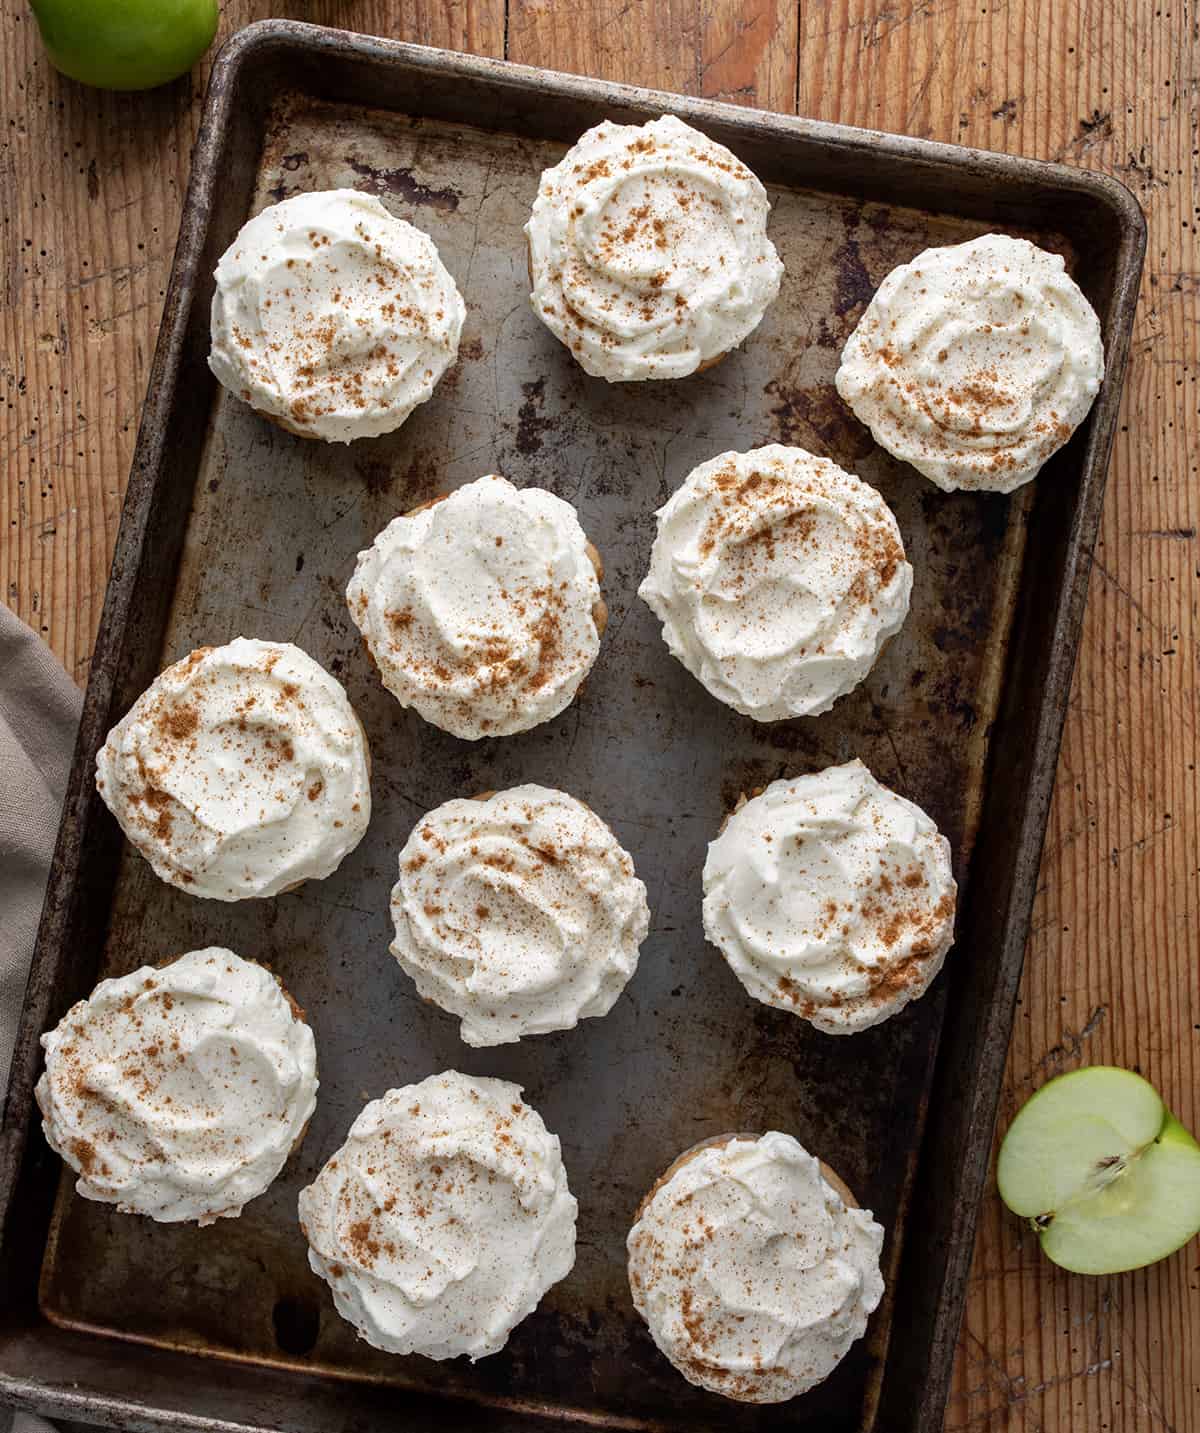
(1107, 1176)
(125, 44)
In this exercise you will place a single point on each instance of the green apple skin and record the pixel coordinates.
(1052, 1163)
(125, 44)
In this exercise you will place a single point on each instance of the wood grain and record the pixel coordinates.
(1113, 965)
(90, 192)
(745, 53)
(91, 188)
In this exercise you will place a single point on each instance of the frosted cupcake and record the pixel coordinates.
(518, 912)
(179, 1091)
(332, 317)
(778, 579)
(648, 251)
(241, 771)
(832, 897)
(753, 1267)
(443, 1219)
(482, 610)
(975, 362)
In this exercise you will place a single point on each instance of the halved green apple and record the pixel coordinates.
(1104, 1172)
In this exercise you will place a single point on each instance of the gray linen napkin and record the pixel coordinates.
(39, 713)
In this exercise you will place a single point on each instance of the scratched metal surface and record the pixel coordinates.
(274, 529)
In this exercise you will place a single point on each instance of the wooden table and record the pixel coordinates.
(90, 193)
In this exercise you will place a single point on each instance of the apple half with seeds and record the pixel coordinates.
(1104, 1172)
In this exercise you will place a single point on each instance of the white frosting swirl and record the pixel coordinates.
(975, 362)
(831, 896)
(443, 1219)
(778, 578)
(332, 316)
(241, 771)
(481, 610)
(179, 1091)
(753, 1275)
(519, 913)
(649, 252)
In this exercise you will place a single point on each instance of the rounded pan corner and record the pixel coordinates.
(1104, 189)
(256, 40)
(1126, 207)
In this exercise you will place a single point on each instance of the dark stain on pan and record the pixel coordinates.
(816, 418)
(406, 186)
(289, 164)
(418, 483)
(407, 487)
(853, 285)
(745, 777)
(879, 218)
(296, 1320)
(946, 701)
(897, 234)
(376, 474)
(801, 738)
(958, 639)
(964, 520)
(531, 423)
(469, 351)
(785, 749)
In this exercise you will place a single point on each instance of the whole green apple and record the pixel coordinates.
(125, 44)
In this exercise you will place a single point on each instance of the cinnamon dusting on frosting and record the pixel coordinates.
(648, 251)
(484, 612)
(832, 896)
(443, 1219)
(230, 782)
(975, 362)
(332, 316)
(524, 917)
(778, 578)
(752, 1273)
(179, 1093)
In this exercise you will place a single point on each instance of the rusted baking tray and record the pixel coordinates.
(232, 526)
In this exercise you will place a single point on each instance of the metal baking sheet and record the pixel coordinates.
(235, 527)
